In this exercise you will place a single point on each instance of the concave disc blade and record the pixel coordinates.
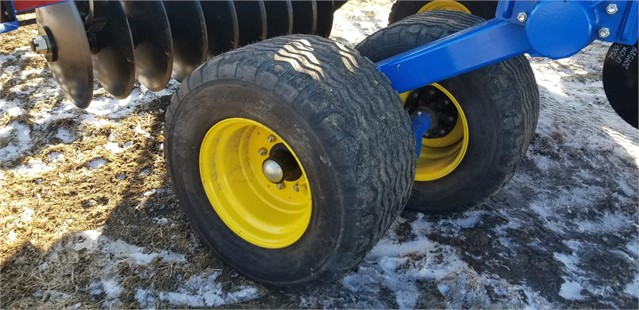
(71, 59)
(221, 26)
(620, 81)
(251, 17)
(303, 20)
(113, 56)
(188, 31)
(279, 17)
(153, 50)
(324, 18)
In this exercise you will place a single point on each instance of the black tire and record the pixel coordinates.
(402, 9)
(342, 119)
(500, 102)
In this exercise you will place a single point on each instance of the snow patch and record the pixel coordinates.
(96, 163)
(135, 254)
(632, 288)
(33, 167)
(197, 291)
(571, 291)
(55, 156)
(65, 136)
(22, 141)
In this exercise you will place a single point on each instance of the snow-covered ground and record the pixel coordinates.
(88, 218)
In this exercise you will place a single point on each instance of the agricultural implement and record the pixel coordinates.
(292, 154)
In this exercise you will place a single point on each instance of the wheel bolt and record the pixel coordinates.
(270, 138)
(280, 186)
(296, 188)
(262, 151)
(446, 102)
(522, 17)
(604, 33)
(611, 9)
(450, 118)
(441, 131)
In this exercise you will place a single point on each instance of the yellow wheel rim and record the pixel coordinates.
(441, 155)
(263, 213)
(449, 5)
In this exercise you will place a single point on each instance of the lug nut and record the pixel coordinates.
(522, 17)
(604, 33)
(280, 186)
(611, 9)
(296, 188)
(262, 151)
(41, 45)
(270, 138)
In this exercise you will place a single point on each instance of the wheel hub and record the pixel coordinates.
(433, 101)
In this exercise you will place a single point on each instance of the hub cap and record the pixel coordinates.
(253, 193)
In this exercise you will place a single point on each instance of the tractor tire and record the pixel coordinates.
(402, 9)
(336, 130)
(496, 114)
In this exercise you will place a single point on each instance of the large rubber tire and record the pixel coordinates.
(344, 122)
(402, 9)
(500, 103)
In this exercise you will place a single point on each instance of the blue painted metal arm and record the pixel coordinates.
(550, 28)
(10, 25)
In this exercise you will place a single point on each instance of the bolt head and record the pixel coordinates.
(611, 9)
(270, 138)
(280, 186)
(604, 33)
(40, 45)
(296, 188)
(522, 17)
(262, 152)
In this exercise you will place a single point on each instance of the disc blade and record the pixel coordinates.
(153, 51)
(113, 53)
(221, 26)
(71, 58)
(279, 17)
(251, 16)
(620, 81)
(188, 32)
(324, 18)
(303, 21)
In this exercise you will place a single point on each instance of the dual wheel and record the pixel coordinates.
(292, 156)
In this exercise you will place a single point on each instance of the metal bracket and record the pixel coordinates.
(420, 122)
(547, 28)
(8, 18)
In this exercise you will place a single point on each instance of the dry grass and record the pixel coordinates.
(128, 198)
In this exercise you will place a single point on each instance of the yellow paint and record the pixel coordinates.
(440, 156)
(250, 205)
(449, 5)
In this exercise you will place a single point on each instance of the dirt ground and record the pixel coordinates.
(88, 218)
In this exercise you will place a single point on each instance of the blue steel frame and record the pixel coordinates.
(12, 25)
(547, 28)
